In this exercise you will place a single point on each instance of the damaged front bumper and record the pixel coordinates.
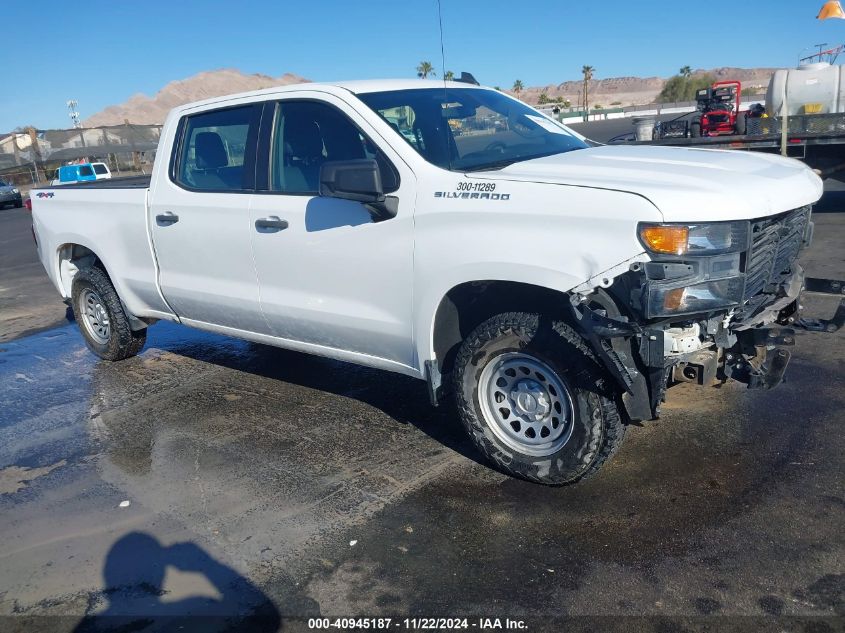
(759, 357)
(644, 358)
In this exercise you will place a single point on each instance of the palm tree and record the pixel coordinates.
(587, 71)
(425, 69)
(518, 86)
(449, 76)
(686, 72)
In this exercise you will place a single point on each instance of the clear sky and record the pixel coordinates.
(102, 52)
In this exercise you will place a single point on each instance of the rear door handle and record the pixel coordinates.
(167, 218)
(271, 224)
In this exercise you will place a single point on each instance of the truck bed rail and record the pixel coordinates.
(124, 182)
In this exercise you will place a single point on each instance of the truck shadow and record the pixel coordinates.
(136, 597)
(403, 399)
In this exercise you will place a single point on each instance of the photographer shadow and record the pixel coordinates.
(134, 574)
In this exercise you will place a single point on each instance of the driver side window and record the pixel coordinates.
(307, 134)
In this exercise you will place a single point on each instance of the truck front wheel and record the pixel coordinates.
(101, 318)
(534, 400)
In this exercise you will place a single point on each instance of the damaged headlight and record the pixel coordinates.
(694, 239)
(700, 297)
(694, 267)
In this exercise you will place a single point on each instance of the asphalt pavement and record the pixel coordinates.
(603, 131)
(210, 475)
(28, 301)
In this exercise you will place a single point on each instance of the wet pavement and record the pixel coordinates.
(210, 475)
(28, 301)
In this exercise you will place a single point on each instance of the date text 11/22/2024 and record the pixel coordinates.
(417, 624)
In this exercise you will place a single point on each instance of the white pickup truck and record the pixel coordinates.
(449, 232)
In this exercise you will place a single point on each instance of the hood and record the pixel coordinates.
(7, 188)
(686, 185)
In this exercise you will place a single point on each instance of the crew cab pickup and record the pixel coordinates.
(449, 232)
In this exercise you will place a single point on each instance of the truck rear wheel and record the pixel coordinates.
(534, 400)
(101, 318)
(695, 129)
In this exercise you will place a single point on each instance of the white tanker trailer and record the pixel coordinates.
(809, 89)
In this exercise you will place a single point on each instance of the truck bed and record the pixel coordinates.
(110, 218)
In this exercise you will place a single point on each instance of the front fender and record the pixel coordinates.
(429, 298)
(558, 237)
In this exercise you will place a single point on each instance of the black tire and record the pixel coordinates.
(121, 342)
(597, 428)
(695, 130)
(18, 204)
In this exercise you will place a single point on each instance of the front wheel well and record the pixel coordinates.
(468, 305)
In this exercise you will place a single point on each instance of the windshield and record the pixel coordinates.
(100, 168)
(467, 129)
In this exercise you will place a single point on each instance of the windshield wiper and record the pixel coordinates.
(501, 164)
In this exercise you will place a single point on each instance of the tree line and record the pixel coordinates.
(684, 86)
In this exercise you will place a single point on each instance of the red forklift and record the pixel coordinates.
(719, 111)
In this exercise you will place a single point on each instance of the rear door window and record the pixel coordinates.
(308, 134)
(217, 150)
(86, 170)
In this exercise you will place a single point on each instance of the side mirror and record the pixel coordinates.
(358, 180)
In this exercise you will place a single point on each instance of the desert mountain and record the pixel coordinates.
(141, 109)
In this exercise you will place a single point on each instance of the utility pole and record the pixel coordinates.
(72, 106)
(73, 113)
(36, 150)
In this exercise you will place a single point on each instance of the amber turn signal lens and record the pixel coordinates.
(668, 240)
(673, 299)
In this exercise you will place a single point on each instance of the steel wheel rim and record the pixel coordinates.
(526, 404)
(94, 316)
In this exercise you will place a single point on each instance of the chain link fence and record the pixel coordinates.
(30, 157)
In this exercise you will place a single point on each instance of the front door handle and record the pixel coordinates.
(271, 224)
(167, 218)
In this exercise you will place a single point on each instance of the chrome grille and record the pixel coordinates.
(775, 243)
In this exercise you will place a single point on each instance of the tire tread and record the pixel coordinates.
(608, 421)
(125, 342)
